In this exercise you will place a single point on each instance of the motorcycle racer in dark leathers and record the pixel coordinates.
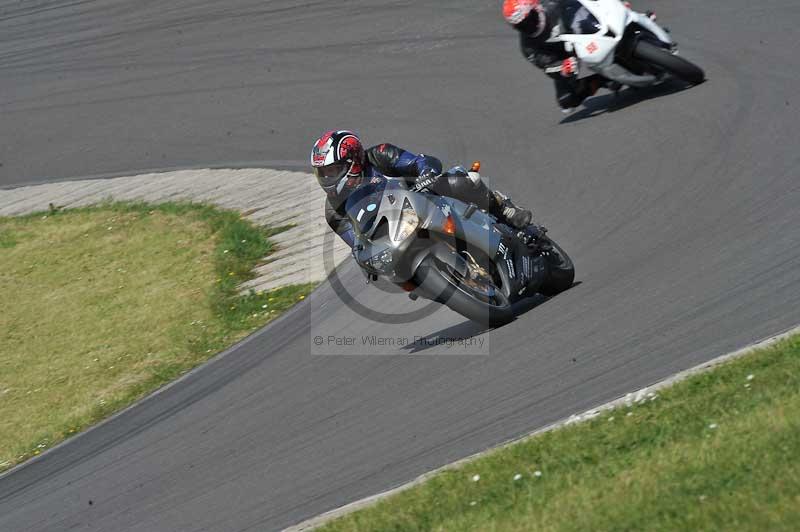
(341, 164)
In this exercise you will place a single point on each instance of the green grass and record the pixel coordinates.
(7, 239)
(102, 305)
(719, 451)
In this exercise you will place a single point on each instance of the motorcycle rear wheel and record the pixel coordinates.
(674, 64)
(435, 278)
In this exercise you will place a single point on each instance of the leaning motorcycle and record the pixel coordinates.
(624, 46)
(451, 252)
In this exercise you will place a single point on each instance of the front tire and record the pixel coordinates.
(561, 272)
(433, 279)
(674, 64)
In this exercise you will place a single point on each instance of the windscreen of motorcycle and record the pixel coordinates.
(363, 204)
(578, 20)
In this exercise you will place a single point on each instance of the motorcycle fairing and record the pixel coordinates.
(432, 211)
(595, 51)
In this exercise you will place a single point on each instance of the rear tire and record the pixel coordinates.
(432, 281)
(674, 64)
(561, 274)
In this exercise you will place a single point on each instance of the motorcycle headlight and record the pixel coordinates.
(409, 221)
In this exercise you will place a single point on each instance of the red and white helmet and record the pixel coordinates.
(338, 161)
(525, 15)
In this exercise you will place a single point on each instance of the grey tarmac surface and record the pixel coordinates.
(680, 210)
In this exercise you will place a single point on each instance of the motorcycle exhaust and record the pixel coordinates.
(622, 75)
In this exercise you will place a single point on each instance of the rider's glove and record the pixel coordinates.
(426, 180)
(427, 173)
(569, 67)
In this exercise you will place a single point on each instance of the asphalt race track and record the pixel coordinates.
(679, 207)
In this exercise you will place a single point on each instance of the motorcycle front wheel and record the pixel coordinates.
(561, 271)
(482, 303)
(666, 60)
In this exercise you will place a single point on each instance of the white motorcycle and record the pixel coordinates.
(624, 46)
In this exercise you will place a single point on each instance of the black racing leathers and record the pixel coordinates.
(548, 56)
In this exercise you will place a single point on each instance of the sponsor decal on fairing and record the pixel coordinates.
(511, 272)
(502, 250)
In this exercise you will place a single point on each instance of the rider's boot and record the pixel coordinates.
(470, 187)
(505, 210)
